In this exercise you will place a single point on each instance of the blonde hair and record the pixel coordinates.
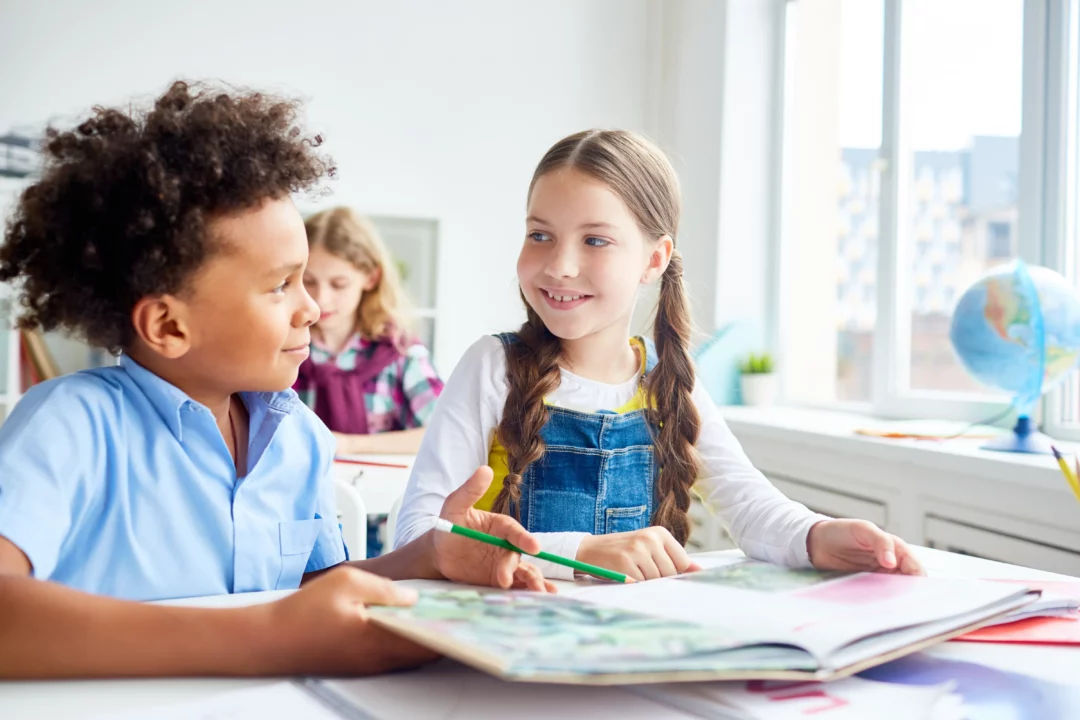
(383, 312)
(642, 176)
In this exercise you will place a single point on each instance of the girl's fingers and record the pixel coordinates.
(647, 568)
(665, 565)
(677, 553)
(909, 564)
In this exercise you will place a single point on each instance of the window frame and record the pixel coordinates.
(1061, 214)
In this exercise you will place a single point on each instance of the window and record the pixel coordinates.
(934, 113)
(832, 142)
(999, 244)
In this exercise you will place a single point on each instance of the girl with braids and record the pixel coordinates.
(596, 437)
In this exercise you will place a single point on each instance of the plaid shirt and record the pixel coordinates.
(401, 397)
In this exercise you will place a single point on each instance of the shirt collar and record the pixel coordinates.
(169, 401)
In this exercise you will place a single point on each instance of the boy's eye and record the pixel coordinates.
(596, 241)
(538, 237)
(282, 287)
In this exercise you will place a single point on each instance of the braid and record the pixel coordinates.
(670, 386)
(532, 371)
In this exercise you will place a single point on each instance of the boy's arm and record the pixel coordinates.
(51, 631)
(48, 630)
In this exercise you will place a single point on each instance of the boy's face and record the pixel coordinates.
(247, 312)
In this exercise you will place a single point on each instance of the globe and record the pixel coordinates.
(1017, 329)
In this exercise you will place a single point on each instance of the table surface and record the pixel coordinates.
(73, 699)
(380, 487)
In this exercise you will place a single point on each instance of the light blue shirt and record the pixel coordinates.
(115, 482)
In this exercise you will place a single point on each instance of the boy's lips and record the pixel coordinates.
(298, 350)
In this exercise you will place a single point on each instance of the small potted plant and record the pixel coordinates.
(758, 380)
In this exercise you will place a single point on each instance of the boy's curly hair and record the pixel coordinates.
(122, 207)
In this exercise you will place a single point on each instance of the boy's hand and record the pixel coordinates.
(642, 554)
(475, 563)
(324, 629)
(859, 545)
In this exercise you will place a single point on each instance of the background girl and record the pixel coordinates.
(367, 378)
(366, 373)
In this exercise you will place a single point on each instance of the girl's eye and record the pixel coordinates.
(538, 237)
(596, 241)
(339, 285)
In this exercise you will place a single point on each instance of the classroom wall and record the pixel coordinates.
(430, 108)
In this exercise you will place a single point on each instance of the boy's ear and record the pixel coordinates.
(373, 279)
(659, 258)
(160, 323)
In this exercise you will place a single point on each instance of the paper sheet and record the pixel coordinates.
(277, 701)
(449, 691)
(849, 699)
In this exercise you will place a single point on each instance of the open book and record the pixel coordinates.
(740, 620)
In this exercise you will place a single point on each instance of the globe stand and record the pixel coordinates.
(1023, 439)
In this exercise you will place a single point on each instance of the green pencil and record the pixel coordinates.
(447, 526)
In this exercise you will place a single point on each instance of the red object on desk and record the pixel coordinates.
(369, 463)
(1039, 630)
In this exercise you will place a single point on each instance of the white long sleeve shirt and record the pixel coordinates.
(763, 522)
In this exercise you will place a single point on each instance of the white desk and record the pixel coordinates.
(74, 699)
(380, 487)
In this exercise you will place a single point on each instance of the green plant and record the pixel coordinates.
(757, 364)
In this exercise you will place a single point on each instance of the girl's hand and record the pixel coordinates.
(859, 545)
(323, 628)
(642, 554)
(475, 563)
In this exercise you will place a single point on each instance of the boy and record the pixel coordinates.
(190, 468)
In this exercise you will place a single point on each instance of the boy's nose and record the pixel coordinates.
(309, 309)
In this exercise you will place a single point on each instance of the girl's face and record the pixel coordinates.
(336, 285)
(584, 256)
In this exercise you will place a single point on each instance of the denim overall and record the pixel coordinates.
(597, 474)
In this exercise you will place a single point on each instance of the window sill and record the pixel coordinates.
(835, 432)
(912, 486)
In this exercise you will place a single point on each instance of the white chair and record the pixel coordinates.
(391, 524)
(352, 515)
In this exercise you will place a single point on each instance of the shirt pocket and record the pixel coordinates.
(297, 538)
(625, 519)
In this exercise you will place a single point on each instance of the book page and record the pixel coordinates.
(532, 635)
(819, 611)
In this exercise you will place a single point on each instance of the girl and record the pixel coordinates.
(594, 435)
(365, 375)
